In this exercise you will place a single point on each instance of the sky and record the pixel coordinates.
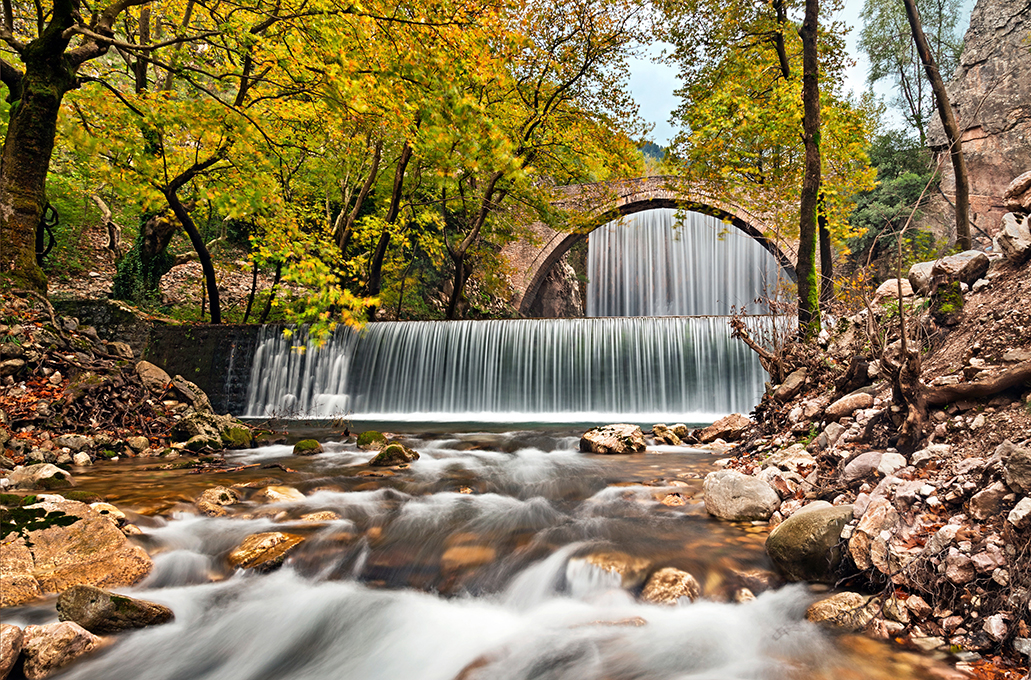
(653, 84)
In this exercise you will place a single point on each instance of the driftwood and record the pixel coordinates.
(940, 395)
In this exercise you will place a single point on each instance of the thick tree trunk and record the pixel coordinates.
(808, 284)
(376, 265)
(826, 259)
(462, 272)
(948, 119)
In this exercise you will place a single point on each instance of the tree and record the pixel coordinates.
(747, 123)
(886, 39)
(948, 119)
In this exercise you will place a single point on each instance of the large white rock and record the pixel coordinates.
(732, 495)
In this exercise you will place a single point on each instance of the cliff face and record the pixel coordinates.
(991, 95)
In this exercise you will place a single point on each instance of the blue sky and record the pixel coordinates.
(653, 84)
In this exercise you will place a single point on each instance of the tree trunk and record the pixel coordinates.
(462, 272)
(376, 264)
(948, 119)
(826, 258)
(202, 252)
(808, 285)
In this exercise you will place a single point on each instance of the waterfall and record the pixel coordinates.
(651, 264)
(559, 370)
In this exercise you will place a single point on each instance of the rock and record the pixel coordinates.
(879, 516)
(805, 547)
(74, 442)
(40, 476)
(631, 570)
(109, 512)
(1020, 515)
(665, 435)
(1020, 186)
(681, 430)
(1014, 239)
(966, 267)
(138, 443)
(728, 428)
(890, 462)
(201, 422)
(192, 394)
(920, 277)
(989, 559)
(668, 585)
(82, 459)
(394, 454)
(848, 405)
(10, 648)
(1016, 465)
(10, 367)
(371, 441)
(732, 495)
(204, 442)
(100, 611)
(849, 611)
(932, 453)
(918, 606)
(281, 494)
(307, 447)
(45, 649)
(153, 378)
(460, 557)
(995, 627)
(91, 551)
(121, 349)
(863, 466)
(613, 439)
(793, 459)
(263, 552)
(890, 289)
(791, 386)
(320, 516)
(212, 501)
(958, 567)
(236, 437)
(988, 501)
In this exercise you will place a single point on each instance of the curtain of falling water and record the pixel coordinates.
(649, 264)
(560, 370)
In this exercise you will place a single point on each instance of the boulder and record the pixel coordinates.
(920, 277)
(966, 267)
(619, 438)
(154, 379)
(848, 405)
(1014, 239)
(138, 443)
(101, 612)
(45, 649)
(728, 428)
(668, 585)
(806, 546)
(863, 466)
(204, 442)
(890, 289)
(236, 437)
(307, 447)
(212, 501)
(11, 367)
(82, 459)
(201, 422)
(74, 442)
(92, 551)
(459, 557)
(40, 476)
(1020, 515)
(988, 501)
(879, 516)
(281, 494)
(1016, 465)
(848, 611)
(732, 495)
(263, 552)
(371, 441)
(664, 435)
(890, 463)
(394, 454)
(791, 386)
(191, 394)
(10, 648)
(631, 570)
(121, 350)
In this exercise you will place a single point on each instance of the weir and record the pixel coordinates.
(642, 370)
(652, 264)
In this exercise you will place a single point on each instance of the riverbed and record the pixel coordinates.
(478, 560)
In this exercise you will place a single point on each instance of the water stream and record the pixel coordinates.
(468, 564)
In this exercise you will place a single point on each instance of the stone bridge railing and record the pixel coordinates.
(592, 205)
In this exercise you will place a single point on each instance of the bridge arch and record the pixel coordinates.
(600, 203)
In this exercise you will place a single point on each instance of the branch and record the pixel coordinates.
(7, 35)
(11, 76)
(940, 395)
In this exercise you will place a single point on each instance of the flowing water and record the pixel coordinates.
(526, 371)
(470, 563)
(653, 264)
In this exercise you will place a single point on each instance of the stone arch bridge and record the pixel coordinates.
(596, 204)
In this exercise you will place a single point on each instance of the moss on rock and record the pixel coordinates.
(307, 447)
(394, 454)
(371, 440)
